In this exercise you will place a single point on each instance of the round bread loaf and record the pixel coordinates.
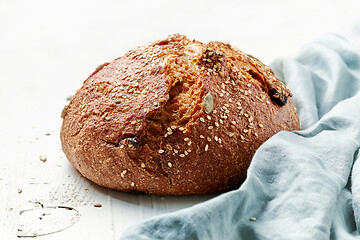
(174, 117)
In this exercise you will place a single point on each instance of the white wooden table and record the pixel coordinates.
(48, 48)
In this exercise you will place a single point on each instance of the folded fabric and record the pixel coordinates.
(300, 185)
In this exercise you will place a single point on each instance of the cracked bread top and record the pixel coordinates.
(174, 117)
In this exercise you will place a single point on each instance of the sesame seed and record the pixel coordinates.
(189, 143)
(252, 219)
(242, 137)
(173, 127)
(216, 124)
(182, 155)
(209, 139)
(216, 138)
(161, 151)
(143, 165)
(169, 164)
(181, 128)
(245, 130)
(233, 122)
(206, 147)
(169, 129)
(201, 136)
(214, 111)
(132, 184)
(186, 153)
(227, 111)
(210, 127)
(220, 140)
(202, 119)
(231, 134)
(208, 117)
(249, 132)
(259, 99)
(43, 158)
(176, 151)
(189, 150)
(221, 121)
(121, 146)
(260, 125)
(186, 139)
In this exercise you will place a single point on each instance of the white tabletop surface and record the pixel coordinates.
(48, 48)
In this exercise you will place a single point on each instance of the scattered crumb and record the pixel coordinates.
(252, 219)
(43, 158)
(19, 190)
(97, 205)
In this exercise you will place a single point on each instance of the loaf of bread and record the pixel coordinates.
(174, 117)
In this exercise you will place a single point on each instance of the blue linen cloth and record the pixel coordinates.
(300, 185)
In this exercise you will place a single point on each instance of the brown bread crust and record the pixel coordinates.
(174, 117)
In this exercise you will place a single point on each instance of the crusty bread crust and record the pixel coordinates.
(175, 117)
